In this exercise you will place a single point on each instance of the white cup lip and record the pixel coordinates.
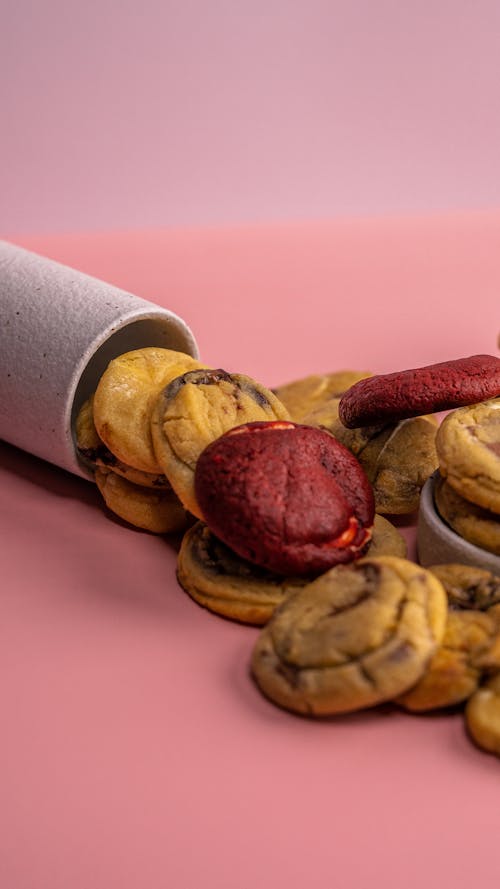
(437, 543)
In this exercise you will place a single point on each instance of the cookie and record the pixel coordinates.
(359, 635)
(423, 390)
(467, 586)
(482, 716)
(125, 396)
(468, 446)
(197, 408)
(470, 647)
(284, 496)
(472, 522)
(218, 579)
(158, 511)
(94, 453)
(305, 395)
(386, 540)
(399, 465)
(397, 458)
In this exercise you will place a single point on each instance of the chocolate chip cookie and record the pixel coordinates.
(356, 636)
(482, 715)
(217, 578)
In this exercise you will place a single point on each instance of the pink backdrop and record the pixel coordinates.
(135, 751)
(120, 114)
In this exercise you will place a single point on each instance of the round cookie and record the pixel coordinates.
(300, 397)
(482, 716)
(288, 497)
(193, 411)
(468, 446)
(94, 453)
(355, 637)
(467, 586)
(124, 399)
(157, 511)
(422, 390)
(397, 458)
(218, 579)
(472, 522)
(470, 646)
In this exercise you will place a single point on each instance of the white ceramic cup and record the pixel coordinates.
(59, 329)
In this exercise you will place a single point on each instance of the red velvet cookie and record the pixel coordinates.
(422, 390)
(285, 496)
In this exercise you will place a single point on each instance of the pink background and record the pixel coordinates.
(121, 115)
(135, 749)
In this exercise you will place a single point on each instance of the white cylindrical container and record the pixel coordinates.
(59, 329)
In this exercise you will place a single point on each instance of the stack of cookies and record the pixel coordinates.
(467, 488)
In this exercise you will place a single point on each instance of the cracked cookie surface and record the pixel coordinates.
(197, 408)
(356, 636)
(285, 496)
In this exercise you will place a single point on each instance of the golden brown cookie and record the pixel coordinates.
(197, 408)
(400, 469)
(356, 440)
(124, 399)
(398, 458)
(300, 397)
(467, 586)
(158, 511)
(356, 636)
(386, 540)
(470, 647)
(217, 578)
(94, 453)
(468, 446)
(472, 522)
(482, 716)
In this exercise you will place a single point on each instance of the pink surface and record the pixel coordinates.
(131, 114)
(135, 749)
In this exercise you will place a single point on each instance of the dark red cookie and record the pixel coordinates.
(285, 496)
(422, 390)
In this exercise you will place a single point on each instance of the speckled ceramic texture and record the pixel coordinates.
(59, 329)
